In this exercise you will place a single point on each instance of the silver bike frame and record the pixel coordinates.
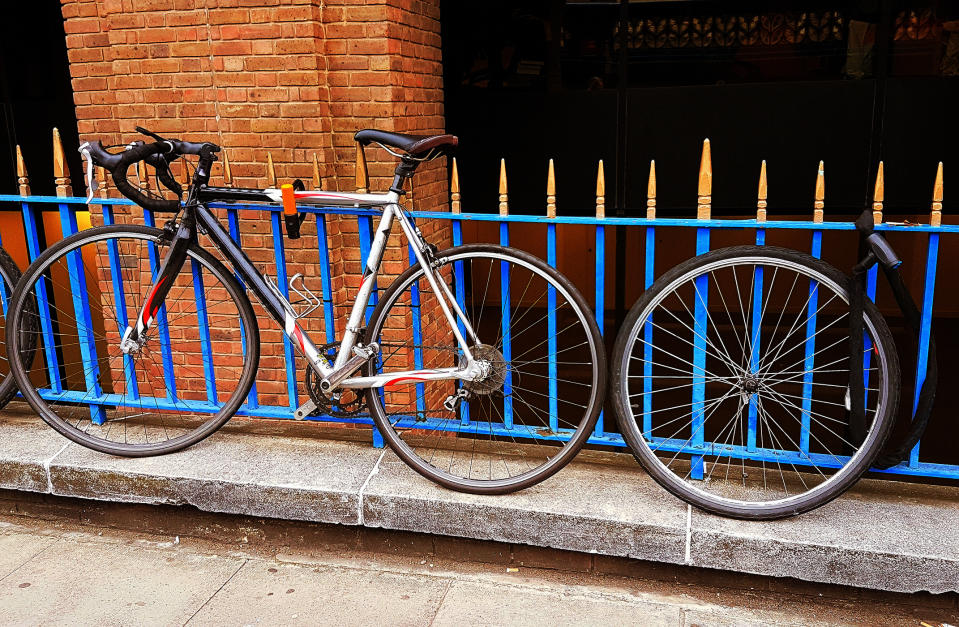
(389, 202)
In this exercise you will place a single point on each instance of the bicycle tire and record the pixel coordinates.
(21, 370)
(10, 275)
(598, 376)
(686, 273)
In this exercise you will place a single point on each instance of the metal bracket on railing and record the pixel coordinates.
(306, 296)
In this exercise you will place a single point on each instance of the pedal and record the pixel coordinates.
(453, 400)
(361, 355)
(304, 410)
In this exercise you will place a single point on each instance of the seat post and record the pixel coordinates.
(404, 170)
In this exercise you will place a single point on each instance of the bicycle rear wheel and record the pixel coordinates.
(191, 373)
(544, 389)
(731, 377)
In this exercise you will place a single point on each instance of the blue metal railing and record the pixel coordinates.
(31, 209)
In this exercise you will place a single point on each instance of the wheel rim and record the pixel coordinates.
(476, 446)
(177, 388)
(766, 429)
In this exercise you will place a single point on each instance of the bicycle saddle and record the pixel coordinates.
(414, 145)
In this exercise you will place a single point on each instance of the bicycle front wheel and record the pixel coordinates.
(731, 383)
(545, 364)
(189, 375)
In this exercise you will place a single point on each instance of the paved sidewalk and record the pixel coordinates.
(57, 572)
(883, 535)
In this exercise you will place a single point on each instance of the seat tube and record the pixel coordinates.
(370, 272)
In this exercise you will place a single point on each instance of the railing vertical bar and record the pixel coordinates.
(809, 362)
(752, 420)
(699, 358)
(203, 324)
(283, 285)
(365, 231)
(551, 331)
(417, 338)
(507, 332)
(700, 313)
(324, 249)
(365, 228)
(81, 306)
(31, 217)
(460, 291)
(600, 303)
(120, 300)
(233, 221)
(161, 319)
(649, 270)
(925, 331)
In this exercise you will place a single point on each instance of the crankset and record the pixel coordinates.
(341, 403)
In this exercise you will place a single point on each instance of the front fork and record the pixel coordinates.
(135, 335)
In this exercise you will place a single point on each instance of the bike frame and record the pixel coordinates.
(196, 215)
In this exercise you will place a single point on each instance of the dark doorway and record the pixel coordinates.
(35, 95)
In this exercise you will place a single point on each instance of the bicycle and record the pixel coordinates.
(759, 382)
(167, 345)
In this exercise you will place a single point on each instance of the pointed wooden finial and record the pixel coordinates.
(935, 219)
(551, 191)
(410, 195)
(878, 196)
(143, 176)
(455, 189)
(362, 178)
(651, 192)
(227, 171)
(820, 200)
(705, 184)
(317, 181)
(61, 176)
(761, 203)
(600, 191)
(23, 179)
(102, 182)
(270, 171)
(503, 193)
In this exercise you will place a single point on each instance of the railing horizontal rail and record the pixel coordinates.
(31, 209)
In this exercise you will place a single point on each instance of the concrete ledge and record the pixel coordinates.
(883, 535)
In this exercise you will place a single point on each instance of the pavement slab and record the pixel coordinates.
(469, 603)
(290, 595)
(93, 584)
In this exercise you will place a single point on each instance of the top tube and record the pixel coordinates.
(326, 198)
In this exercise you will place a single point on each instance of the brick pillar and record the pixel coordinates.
(292, 78)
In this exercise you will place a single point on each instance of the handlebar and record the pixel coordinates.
(159, 154)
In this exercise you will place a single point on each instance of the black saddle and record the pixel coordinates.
(414, 145)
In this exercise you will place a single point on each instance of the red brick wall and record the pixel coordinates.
(291, 78)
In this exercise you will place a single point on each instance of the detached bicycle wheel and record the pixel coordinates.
(731, 383)
(188, 376)
(545, 371)
(9, 276)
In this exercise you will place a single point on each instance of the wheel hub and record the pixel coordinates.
(749, 383)
(495, 368)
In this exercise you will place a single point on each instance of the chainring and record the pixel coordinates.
(349, 403)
